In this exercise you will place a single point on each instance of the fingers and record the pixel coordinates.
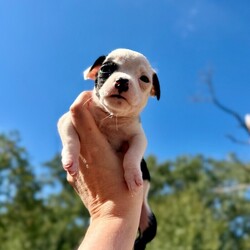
(93, 142)
(82, 119)
(80, 105)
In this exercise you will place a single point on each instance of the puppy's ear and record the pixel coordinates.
(91, 72)
(156, 90)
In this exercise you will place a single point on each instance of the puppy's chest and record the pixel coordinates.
(118, 133)
(118, 130)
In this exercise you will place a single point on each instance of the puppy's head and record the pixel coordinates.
(123, 82)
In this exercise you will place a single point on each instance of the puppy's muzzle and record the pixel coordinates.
(121, 85)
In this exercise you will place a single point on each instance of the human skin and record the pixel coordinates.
(114, 210)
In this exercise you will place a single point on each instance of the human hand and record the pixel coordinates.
(100, 183)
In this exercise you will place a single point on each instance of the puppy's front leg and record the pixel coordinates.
(132, 161)
(71, 144)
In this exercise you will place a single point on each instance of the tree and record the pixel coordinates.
(243, 121)
(201, 203)
(29, 220)
(18, 196)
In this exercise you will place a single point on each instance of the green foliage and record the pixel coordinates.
(200, 203)
(185, 223)
(27, 221)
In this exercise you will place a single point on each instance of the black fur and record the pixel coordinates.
(144, 169)
(156, 85)
(105, 71)
(150, 232)
(98, 62)
(147, 235)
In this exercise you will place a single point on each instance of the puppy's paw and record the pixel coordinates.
(70, 164)
(133, 178)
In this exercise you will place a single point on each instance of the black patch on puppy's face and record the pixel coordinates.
(106, 70)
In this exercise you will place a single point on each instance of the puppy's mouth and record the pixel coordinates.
(118, 97)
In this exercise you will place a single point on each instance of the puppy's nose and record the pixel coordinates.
(122, 85)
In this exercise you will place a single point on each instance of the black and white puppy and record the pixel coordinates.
(124, 80)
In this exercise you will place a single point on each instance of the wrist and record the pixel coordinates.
(114, 226)
(108, 234)
(126, 206)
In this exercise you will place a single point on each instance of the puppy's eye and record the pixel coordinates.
(144, 79)
(108, 68)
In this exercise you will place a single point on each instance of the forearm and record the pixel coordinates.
(115, 226)
(109, 234)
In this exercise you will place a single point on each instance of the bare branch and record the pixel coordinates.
(225, 109)
(235, 140)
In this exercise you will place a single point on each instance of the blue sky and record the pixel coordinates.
(45, 46)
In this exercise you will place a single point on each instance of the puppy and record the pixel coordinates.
(124, 80)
